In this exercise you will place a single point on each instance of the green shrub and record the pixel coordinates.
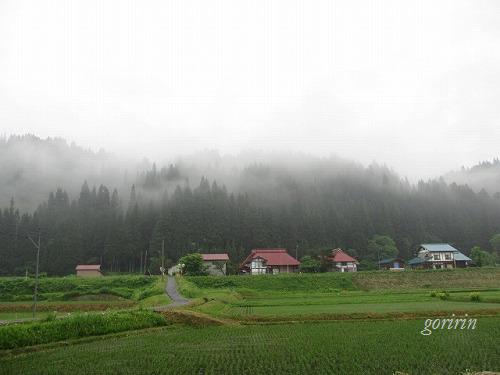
(475, 297)
(76, 326)
(158, 288)
(444, 295)
(50, 317)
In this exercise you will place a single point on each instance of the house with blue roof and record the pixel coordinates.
(439, 256)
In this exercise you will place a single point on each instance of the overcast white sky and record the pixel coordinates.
(414, 84)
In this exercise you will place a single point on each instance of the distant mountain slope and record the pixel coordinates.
(485, 175)
(219, 203)
(31, 167)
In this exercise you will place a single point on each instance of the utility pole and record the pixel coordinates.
(37, 246)
(146, 268)
(162, 258)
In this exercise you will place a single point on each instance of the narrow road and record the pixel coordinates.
(171, 290)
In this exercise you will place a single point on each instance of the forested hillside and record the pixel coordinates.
(485, 175)
(302, 203)
(31, 167)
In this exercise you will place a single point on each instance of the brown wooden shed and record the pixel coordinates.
(88, 270)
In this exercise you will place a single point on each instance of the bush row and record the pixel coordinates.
(65, 288)
(76, 326)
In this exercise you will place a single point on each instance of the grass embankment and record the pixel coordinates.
(68, 294)
(76, 326)
(333, 347)
(71, 287)
(335, 296)
(369, 280)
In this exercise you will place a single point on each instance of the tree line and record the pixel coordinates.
(306, 216)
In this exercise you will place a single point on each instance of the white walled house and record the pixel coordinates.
(342, 262)
(439, 256)
(269, 261)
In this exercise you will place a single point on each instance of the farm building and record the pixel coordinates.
(272, 261)
(438, 256)
(88, 270)
(215, 264)
(394, 264)
(342, 262)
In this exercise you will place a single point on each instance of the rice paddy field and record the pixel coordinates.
(366, 347)
(345, 305)
(286, 298)
(364, 323)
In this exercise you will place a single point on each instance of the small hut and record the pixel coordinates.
(88, 270)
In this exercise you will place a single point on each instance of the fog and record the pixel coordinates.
(410, 84)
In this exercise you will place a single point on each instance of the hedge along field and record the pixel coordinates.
(323, 348)
(66, 288)
(76, 326)
(368, 280)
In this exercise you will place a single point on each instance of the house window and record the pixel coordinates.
(447, 256)
(436, 257)
(258, 266)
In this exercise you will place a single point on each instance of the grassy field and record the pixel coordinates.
(72, 287)
(21, 315)
(72, 294)
(475, 278)
(319, 297)
(367, 323)
(370, 347)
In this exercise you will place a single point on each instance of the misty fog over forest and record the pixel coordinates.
(237, 124)
(94, 207)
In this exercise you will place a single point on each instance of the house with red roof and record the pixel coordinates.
(269, 261)
(342, 262)
(215, 264)
(88, 270)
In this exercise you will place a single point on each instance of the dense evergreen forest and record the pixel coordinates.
(346, 212)
(307, 206)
